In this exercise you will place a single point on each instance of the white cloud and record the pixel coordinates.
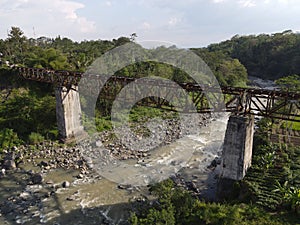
(57, 15)
(189, 22)
(247, 3)
(67, 7)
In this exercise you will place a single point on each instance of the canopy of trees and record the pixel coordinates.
(64, 54)
(265, 56)
(53, 53)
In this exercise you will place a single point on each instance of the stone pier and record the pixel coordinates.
(68, 113)
(237, 149)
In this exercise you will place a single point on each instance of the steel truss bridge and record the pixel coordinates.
(260, 102)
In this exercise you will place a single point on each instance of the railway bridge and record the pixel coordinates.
(243, 103)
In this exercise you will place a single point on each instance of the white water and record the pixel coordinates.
(195, 151)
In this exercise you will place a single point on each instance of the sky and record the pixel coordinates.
(185, 23)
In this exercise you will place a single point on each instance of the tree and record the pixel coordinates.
(121, 41)
(48, 58)
(16, 45)
(289, 83)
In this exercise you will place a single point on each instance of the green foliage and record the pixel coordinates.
(265, 156)
(291, 125)
(276, 167)
(14, 47)
(58, 53)
(289, 83)
(8, 139)
(177, 206)
(65, 54)
(46, 58)
(35, 138)
(228, 71)
(265, 56)
(142, 113)
(290, 195)
(27, 111)
(268, 160)
(163, 213)
(159, 217)
(103, 123)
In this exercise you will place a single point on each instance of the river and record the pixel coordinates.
(96, 200)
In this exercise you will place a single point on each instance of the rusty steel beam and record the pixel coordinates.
(261, 102)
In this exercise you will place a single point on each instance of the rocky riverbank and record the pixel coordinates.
(31, 176)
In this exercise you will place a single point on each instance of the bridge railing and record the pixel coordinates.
(60, 78)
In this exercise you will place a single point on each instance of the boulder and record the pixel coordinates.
(37, 178)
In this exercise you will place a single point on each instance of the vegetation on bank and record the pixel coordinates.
(177, 206)
(27, 111)
(269, 194)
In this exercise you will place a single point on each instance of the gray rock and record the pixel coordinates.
(9, 164)
(47, 167)
(50, 182)
(80, 176)
(37, 178)
(44, 163)
(66, 184)
(9, 207)
(24, 196)
(71, 198)
(124, 186)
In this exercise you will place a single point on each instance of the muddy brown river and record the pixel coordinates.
(93, 199)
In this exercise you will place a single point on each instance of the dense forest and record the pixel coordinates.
(268, 56)
(64, 54)
(265, 56)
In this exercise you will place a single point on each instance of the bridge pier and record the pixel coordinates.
(68, 113)
(237, 149)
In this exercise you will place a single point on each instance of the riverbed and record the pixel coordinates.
(77, 193)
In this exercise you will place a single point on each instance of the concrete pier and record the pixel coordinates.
(237, 149)
(68, 113)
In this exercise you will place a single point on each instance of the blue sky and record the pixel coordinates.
(186, 23)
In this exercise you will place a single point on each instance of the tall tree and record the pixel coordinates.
(16, 45)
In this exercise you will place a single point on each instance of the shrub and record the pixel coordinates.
(177, 206)
(35, 138)
(8, 138)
